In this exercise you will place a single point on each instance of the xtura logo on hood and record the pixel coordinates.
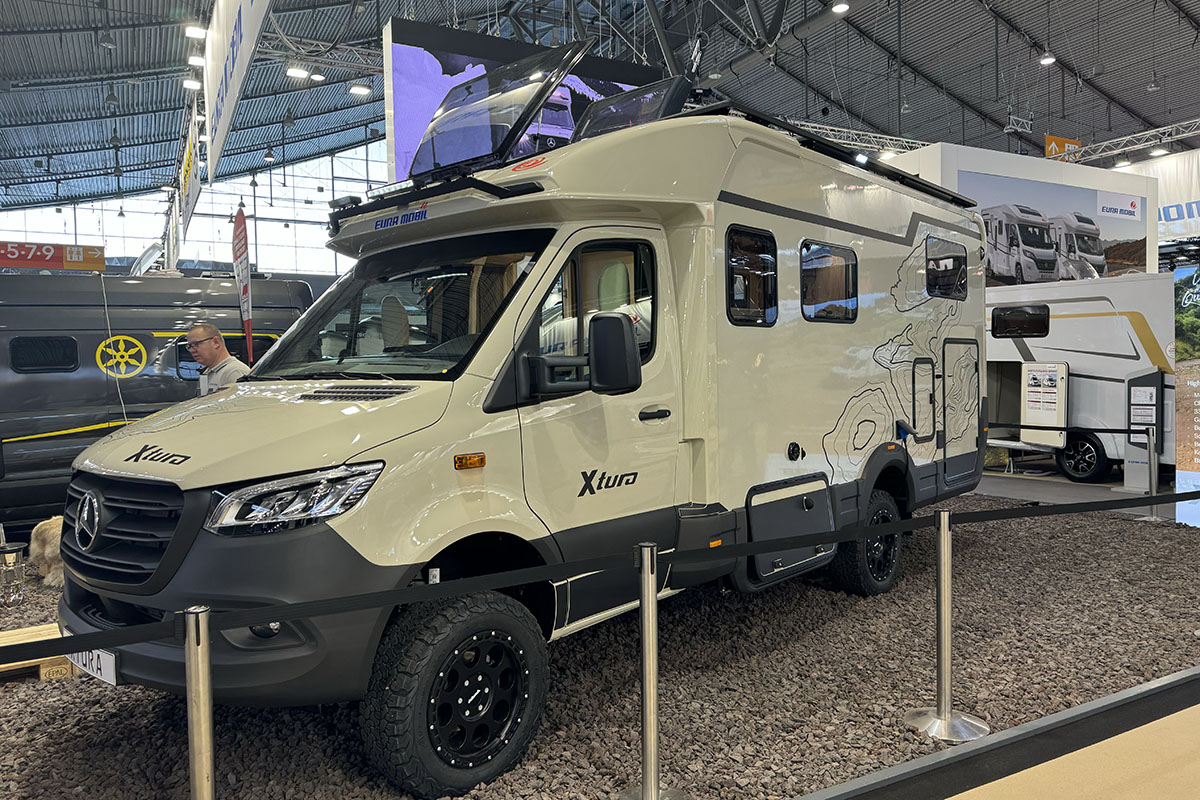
(152, 452)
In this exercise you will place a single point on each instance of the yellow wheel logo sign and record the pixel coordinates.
(121, 356)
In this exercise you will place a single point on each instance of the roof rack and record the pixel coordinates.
(832, 149)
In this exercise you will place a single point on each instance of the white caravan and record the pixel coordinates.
(1077, 243)
(697, 330)
(1111, 334)
(1019, 244)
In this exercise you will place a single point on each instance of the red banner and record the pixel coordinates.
(33, 255)
(241, 273)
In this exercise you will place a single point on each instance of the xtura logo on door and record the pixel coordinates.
(152, 452)
(592, 484)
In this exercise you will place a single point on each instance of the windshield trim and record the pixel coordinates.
(1043, 244)
(535, 240)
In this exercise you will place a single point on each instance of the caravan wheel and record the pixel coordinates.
(1083, 460)
(456, 694)
(870, 566)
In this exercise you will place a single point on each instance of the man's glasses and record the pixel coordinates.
(198, 342)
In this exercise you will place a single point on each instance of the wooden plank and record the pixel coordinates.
(54, 667)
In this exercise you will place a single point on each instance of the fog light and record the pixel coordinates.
(266, 631)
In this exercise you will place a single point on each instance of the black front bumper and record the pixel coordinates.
(316, 660)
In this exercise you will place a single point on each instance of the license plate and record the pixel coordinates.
(100, 664)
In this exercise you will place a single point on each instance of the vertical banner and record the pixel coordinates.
(229, 48)
(241, 273)
(1178, 192)
(171, 234)
(1186, 352)
(189, 172)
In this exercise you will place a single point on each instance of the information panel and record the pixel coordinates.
(1044, 402)
(34, 255)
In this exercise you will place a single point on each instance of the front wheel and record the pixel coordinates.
(1019, 272)
(456, 694)
(1083, 460)
(870, 566)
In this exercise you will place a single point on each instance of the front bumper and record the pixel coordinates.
(316, 660)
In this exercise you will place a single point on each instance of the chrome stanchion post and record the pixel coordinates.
(943, 722)
(647, 553)
(1152, 458)
(199, 701)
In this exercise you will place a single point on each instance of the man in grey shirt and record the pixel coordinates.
(221, 369)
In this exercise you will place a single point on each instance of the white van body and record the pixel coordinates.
(1077, 242)
(1105, 331)
(773, 389)
(1019, 244)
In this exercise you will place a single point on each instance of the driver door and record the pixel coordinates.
(600, 470)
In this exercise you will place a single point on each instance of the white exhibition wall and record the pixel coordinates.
(1178, 192)
(1115, 199)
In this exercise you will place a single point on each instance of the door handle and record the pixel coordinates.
(646, 414)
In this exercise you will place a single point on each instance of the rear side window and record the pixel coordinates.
(1020, 322)
(945, 269)
(828, 282)
(751, 276)
(43, 354)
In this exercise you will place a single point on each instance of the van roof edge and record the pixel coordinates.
(427, 192)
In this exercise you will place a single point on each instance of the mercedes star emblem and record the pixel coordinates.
(87, 521)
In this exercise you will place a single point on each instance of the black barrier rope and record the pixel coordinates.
(170, 628)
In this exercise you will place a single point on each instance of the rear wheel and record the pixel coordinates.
(456, 694)
(870, 566)
(1083, 460)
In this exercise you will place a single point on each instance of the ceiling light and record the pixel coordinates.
(191, 83)
(316, 76)
(118, 172)
(107, 41)
(203, 137)
(861, 158)
(121, 212)
(1159, 151)
(840, 8)
(297, 72)
(359, 88)
(200, 116)
(114, 140)
(1047, 58)
(269, 156)
(714, 76)
(253, 182)
(905, 108)
(286, 225)
(110, 99)
(359, 6)
(289, 119)
(1124, 162)
(887, 155)
(195, 32)
(241, 202)
(1153, 85)
(196, 61)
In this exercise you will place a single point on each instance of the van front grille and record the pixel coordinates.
(126, 530)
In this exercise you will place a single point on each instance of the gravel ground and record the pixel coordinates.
(39, 607)
(771, 695)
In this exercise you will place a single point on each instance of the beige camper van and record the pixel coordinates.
(699, 328)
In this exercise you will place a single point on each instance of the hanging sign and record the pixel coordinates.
(233, 36)
(241, 274)
(1062, 149)
(189, 171)
(32, 255)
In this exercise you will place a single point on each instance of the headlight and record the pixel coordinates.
(1029, 255)
(292, 502)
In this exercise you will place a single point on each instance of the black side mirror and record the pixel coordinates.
(614, 361)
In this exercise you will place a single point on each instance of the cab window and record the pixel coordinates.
(235, 343)
(599, 277)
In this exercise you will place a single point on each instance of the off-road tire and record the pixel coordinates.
(1083, 460)
(410, 711)
(870, 566)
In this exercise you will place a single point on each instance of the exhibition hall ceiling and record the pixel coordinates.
(92, 95)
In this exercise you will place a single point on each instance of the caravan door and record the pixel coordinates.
(600, 471)
(960, 410)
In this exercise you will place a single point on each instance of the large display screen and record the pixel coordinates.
(423, 62)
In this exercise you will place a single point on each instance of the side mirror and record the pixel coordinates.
(614, 361)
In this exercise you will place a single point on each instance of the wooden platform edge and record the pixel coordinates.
(44, 668)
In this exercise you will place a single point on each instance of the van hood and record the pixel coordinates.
(260, 430)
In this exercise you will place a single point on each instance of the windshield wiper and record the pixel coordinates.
(259, 378)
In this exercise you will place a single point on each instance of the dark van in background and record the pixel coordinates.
(81, 355)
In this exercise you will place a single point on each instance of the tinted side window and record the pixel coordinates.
(945, 269)
(828, 283)
(751, 277)
(1020, 322)
(43, 354)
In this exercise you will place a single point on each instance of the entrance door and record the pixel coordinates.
(600, 470)
(960, 410)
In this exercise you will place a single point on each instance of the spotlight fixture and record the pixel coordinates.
(253, 181)
(840, 7)
(905, 108)
(118, 172)
(296, 72)
(195, 32)
(1153, 86)
(269, 157)
(191, 84)
(1047, 58)
(106, 40)
(316, 76)
(287, 225)
(111, 99)
(861, 158)
(196, 61)
(1159, 151)
(1124, 162)
(714, 76)
(289, 119)
(121, 212)
(359, 88)
(241, 202)
(114, 140)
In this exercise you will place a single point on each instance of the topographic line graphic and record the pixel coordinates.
(962, 394)
(866, 421)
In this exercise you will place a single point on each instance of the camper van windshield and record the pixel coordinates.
(1089, 245)
(419, 312)
(1035, 235)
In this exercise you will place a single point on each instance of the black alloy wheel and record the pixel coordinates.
(870, 566)
(882, 551)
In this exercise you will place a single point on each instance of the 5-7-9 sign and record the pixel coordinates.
(33, 255)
